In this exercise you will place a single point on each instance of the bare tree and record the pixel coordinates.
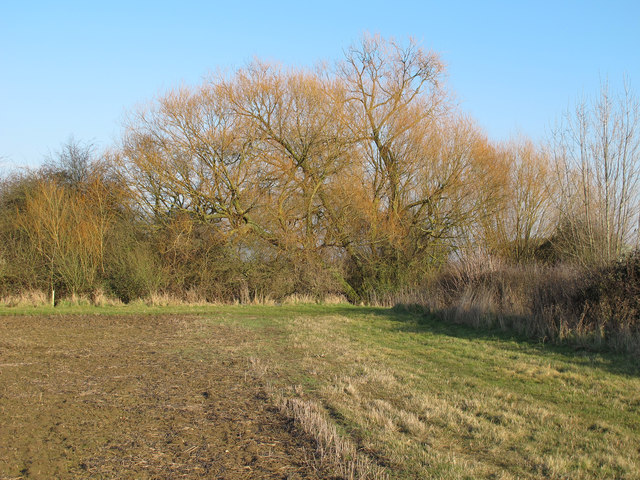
(361, 166)
(524, 217)
(597, 154)
(393, 92)
(73, 162)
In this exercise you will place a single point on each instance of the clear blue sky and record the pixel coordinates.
(77, 67)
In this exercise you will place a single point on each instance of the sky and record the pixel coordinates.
(75, 68)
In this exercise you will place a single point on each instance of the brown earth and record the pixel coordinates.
(138, 397)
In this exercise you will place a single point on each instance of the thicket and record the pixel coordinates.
(587, 306)
(360, 179)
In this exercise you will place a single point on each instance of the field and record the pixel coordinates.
(303, 391)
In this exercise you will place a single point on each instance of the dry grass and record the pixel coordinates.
(191, 298)
(97, 299)
(298, 299)
(334, 300)
(301, 299)
(162, 299)
(100, 299)
(38, 298)
(334, 452)
(453, 405)
(30, 298)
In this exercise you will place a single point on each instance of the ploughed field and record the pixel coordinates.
(308, 391)
(137, 397)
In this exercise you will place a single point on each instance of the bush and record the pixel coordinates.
(591, 307)
(613, 295)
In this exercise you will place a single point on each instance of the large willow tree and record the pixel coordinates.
(365, 167)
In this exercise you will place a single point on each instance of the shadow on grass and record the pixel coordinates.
(419, 321)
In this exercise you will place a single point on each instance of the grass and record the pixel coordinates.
(142, 308)
(426, 399)
(397, 392)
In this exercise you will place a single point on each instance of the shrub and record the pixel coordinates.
(591, 307)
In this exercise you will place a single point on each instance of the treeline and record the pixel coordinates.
(361, 179)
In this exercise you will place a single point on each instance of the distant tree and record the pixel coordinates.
(597, 155)
(73, 162)
(524, 218)
(65, 234)
(59, 219)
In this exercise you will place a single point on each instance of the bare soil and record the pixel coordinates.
(138, 397)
